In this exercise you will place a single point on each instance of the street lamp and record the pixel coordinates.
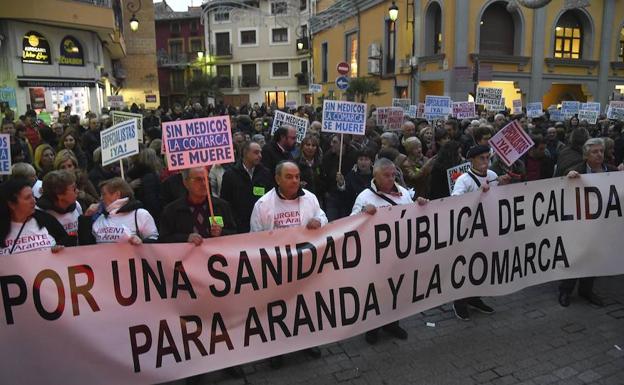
(393, 11)
(300, 45)
(134, 23)
(134, 6)
(200, 54)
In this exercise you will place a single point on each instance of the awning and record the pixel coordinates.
(30, 81)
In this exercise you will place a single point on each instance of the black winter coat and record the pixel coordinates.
(272, 154)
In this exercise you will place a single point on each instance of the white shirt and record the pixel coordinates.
(262, 216)
(31, 238)
(286, 214)
(368, 197)
(119, 227)
(466, 184)
(69, 221)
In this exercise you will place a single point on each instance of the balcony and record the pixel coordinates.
(249, 81)
(221, 50)
(303, 79)
(177, 59)
(225, 82)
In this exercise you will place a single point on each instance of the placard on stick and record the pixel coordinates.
(342, 117)
(455, 172)
(119, 141)
(121, 116)
(490, 97)
(511, 142)
(300, 124)
(390, 118)
(5, 154)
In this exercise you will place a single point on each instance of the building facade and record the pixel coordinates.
(180, 50)
(51, 57)
(259, 50)
(565, 50)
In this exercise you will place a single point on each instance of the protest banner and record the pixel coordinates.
(300, 124)
(455, 172)
(315, 88)
(555, 115)
(343, 118)
(490, 97)
(420, 112)
(403, 103)
(569, 108)
(390, 118)
(118, 142)
(412, 112)
(590, 116)
(7, 94)
(517, 107)
(120, 116)
(534, 110)
(511, 142)
(464, 110)
(159, 312)
(115, 101)
(5, 154)
(615, 110)
(590, 106)
(291, 104)
(437, 107)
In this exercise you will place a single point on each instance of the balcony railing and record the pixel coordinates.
(249, 81)
(225, 82)
(176, 59)
(221, 50)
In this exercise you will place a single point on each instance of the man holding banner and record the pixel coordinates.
(288, 205)
(478, 177)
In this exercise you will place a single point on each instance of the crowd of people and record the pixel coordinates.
(59, 194)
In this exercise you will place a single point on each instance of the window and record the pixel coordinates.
(176, 47)
(279, 8)
(280, 69)
(304, 66)
(249, 76)
(324, 52)
(196, 45)
(497, 31)
(621, 47)
(433, 29)
(277, 98)
(279, 35)
(222, 16)
(222, 40)
(390, 58)
(225, 76)
(248, 37)
(174, 27)
(351, 53)
(568, 37)
(194, 26)
(177, 81)
(303, 4)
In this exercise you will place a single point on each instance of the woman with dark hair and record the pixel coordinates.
(70, 141)
(24, 228)
(448, 157)
(118, 217)
(440, 137)
(87, 194)
(144, 176)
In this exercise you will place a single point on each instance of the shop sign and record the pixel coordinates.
(35, 49)
(71, 52)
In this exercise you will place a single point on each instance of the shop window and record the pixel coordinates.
(277, 98)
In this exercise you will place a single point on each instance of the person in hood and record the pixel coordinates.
(24, 228)
(119, 217)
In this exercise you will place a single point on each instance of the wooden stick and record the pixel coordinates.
(121, 168)
(340, 156)
(209, 195)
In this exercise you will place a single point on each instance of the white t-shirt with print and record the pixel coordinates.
(69, 221)
(286, 214)
(31, 238)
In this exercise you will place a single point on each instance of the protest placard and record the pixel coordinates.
(517, 107)
(315, 88)
(511, 142)
(156, 313)
(464, 110)
(590, 116)
(555, 115)
(569, 108)
(115, 101)
(390, 118)
(5, 154)
(455, 172)
(403, 103)
(534, 110)
(198, 142)
(412, 112)
(590, 106)
(300, 124)
(615, 110)
(342, 117)
(420, 112)
(438, 107)
(121, 116)
(291, 104)
(490, 97)
(119, 141)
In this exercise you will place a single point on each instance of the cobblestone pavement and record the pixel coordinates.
(530, 339)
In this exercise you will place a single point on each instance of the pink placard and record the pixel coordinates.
(198, 142)
(511, 142)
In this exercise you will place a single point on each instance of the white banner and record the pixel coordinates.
(490, 97)
(464, 110)
(300, 124)
(534, 110)
(590, 116)
(120, 116)
(119, 314)
(517, 106)
(119, 141)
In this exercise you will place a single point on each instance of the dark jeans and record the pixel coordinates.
(586, 286)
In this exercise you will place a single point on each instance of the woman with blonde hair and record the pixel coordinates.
(44, 159)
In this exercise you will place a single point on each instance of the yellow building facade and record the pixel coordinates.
(552, 53)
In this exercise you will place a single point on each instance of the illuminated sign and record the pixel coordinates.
(35, 49)
(71, 52)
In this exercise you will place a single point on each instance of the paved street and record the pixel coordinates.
(530, 340)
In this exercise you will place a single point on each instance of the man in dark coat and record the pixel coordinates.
(245, 183)
(572, 154)
(279, 148)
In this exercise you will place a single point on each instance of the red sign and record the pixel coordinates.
(343, 68)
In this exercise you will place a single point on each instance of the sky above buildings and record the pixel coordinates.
(181, 5)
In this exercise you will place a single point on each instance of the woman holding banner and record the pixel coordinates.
(118, 217)
(22, 227)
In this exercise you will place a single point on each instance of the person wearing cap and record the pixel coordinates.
(478, 177)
